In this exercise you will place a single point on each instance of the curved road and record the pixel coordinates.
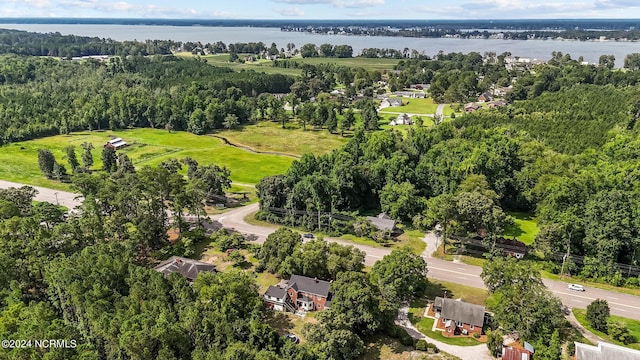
(621, 304)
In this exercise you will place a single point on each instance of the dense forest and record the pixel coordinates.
(564, 149)
(158, 92)
(85, 277)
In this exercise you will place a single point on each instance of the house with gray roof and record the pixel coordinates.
(188, 268)
(390, 102)
(456, 317)
(605, 351)
(383, 222)
(299, 294)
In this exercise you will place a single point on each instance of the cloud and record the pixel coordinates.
(512, 9)
(336, 3)
(291, 12)
(616, 4)
(120, 8)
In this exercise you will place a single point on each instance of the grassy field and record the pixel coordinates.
(268, 136)
(633, 325)
(266, 65)
(416, 106)
(18, 161)
(525, 227)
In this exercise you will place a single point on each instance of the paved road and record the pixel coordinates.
(64, 198)
(620, 304)
(440, 110)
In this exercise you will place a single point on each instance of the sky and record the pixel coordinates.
(324, 9)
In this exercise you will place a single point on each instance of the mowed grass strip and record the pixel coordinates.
(19, 161)
(632, 325)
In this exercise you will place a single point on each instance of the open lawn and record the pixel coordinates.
(633, 325)
(19, 161)
(267, 136)
(415, 106)
(524, 228)
(222, 60)
(266, 65)
(454, 291)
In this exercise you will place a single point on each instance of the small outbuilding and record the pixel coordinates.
(116, 143)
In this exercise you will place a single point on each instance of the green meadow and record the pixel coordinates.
(19, 161)
(266, 65)
(524, 227)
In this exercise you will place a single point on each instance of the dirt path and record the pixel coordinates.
(244, 147)
(476, 352)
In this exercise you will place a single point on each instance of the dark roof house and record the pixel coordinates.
(299, 293)
(460, 311)
(310, 285)
(189, 268)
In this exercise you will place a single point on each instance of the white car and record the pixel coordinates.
(575, 287)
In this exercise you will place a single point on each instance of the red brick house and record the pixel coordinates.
(458, 317)
(299, 293)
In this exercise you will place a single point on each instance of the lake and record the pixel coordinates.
(536, 49)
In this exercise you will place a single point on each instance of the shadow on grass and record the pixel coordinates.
(432, 291)
(513, 230)
(280, 322)
(373, 349)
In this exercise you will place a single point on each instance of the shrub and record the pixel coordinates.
(620, 332)
(476, 335)
(406, 339)
(393, 332)
(421, 345)
(597, 314)
(433, 348)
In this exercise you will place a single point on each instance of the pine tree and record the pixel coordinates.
(46, 161)
(87, 156)
(109, 159)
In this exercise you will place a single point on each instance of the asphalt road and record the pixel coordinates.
(64, 198)
(621, 304)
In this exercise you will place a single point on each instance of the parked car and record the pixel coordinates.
(566, 310)
(293, 338)
(308, 236)
(575, 287)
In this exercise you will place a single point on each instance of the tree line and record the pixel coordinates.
(190, 95)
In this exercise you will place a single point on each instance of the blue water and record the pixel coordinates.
(535, 49)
